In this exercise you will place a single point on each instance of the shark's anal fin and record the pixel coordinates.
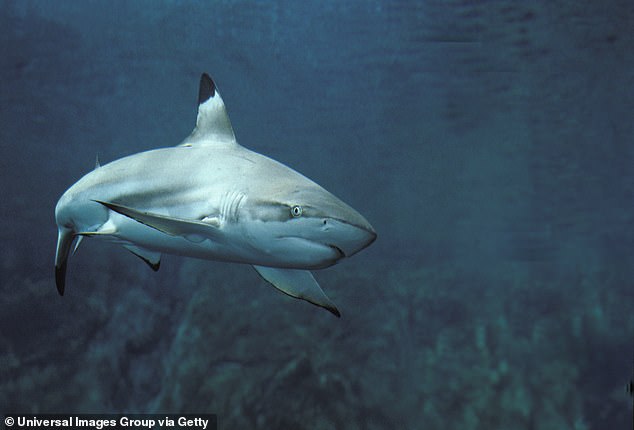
(151, 258)
(192, 230)
(299, 284)
(77, 243)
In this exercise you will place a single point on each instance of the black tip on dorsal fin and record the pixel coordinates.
(207, 89)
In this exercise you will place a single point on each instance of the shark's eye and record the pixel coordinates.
(296, 211)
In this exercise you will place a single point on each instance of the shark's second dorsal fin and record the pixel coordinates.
(212, 124)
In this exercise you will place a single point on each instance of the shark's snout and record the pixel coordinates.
(351, 238)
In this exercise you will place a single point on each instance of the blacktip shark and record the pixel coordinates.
(211, 198)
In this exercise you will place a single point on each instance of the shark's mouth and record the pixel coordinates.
(338, 250)
(324, 254)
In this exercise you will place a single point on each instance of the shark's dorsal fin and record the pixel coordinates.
(212, 124)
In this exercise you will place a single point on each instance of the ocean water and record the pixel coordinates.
(488, 142)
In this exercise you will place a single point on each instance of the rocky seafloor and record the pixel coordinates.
(440, 347)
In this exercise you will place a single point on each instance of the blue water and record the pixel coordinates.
(489, 143)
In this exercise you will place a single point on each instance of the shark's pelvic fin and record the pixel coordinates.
(212, 124)
(192, 230)
(299, 284)
(151, 258)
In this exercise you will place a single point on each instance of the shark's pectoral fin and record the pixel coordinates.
(151, 258)
(299, 284)
(192, 230)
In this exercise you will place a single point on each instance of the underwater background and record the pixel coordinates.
(488, 142)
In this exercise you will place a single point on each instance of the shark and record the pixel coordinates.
(211, 198)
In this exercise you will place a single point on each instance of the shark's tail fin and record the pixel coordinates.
(65, 239)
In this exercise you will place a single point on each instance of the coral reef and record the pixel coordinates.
(446, 348)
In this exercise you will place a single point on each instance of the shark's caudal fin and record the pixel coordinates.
(299, 284)
(65, 239)
(212, 124)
